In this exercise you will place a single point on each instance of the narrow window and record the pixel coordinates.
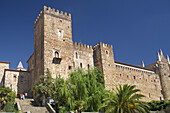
(21, 79)
(120, 75)
(160, 98)
(76, 55)
(146, 80)
(81, 65)
(15, 78)
(140, 78)
(10, 85)
(88, 66)
(127, 76)
(69, 67)
(164, 74)
(149, 95)
(134, 77)
(73, 64)
(151, 80)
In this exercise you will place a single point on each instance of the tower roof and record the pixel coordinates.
(20, 66)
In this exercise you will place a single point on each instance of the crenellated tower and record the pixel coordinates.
(104, 60)
(53, 46)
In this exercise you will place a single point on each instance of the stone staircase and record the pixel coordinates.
(27, 105)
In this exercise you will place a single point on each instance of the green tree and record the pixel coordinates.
(44, 88)
(124, 99)
(88, 88)
(158, 105)
(7, 99)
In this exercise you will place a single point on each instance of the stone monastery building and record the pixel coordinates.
(54, 49)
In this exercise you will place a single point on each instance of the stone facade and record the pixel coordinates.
(3, 66)
(17, 80)
(55, 50)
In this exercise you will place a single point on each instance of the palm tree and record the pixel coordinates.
(124, 99)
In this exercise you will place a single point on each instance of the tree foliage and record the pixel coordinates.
(158, 105)
(124, 99)
(7, 99)
(83, 89)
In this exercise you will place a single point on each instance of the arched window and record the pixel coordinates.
(107, 52)
(57, 54)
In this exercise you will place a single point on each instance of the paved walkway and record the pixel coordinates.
(28, 105)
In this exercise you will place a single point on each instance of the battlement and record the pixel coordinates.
(52, 11)
(38, 17)
(57, 13)
(83, 46)
(103, 45)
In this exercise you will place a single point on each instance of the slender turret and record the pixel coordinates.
(143, 65)
(159, 58)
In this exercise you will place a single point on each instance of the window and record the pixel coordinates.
(127, 76)
(21, 79)
(76, 55)
(15, 77)
(149, 95)
(81, 65)
(134, 77)
(73, 64)
(140, 78)
(164, 74)
(57, 54)
(69, 67)
(120, 75)
(109, 65)
(10, 85)
(60, 33)
(151, 80)
(160, 98)
(146, 80)
(107, 52)
(88, 66)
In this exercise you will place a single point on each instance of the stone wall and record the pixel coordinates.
(3, 66)
(17, 80)
(145, 80)
(38, 47)
(31, 67)
(83, 56)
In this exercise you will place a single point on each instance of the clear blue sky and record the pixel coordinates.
(137, 29)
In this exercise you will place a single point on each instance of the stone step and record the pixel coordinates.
(28, 105)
